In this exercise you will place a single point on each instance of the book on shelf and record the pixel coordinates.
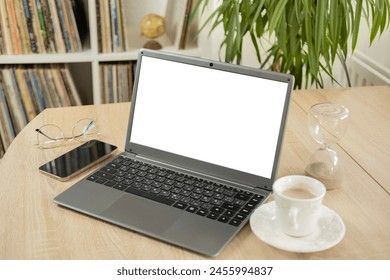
(27, 90)
(116, 81)
(41, 26)
(177, 21)
(5, 29)
(185, 25)
(111, 26)
(7, 132)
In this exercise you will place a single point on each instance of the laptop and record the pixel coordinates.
(201, 152)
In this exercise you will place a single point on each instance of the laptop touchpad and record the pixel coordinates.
(141, 214)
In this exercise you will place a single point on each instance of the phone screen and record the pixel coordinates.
(77, 160)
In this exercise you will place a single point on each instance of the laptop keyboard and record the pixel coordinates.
(201, 197)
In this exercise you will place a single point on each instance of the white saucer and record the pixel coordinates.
(329, 232)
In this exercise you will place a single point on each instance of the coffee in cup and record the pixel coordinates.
(299, 191)
(298, 204)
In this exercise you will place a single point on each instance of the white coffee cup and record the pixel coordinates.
(298, 204)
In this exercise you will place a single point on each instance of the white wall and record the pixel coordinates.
(379, 50)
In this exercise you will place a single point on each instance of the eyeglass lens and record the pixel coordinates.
(50, 136)
(85, 130)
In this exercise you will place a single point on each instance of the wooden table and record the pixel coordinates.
(33, 227)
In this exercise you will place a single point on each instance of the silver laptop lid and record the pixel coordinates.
(214, 118)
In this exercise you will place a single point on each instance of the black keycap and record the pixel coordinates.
(185, 193)
(192, 209)
(205, 198)
(101, 181)
(216, 201)
(180, 205)
(92, 178)
(120, 173)
(240, 217)
(114, 165)
(118, 179)
(229, 213)
(229, 192)
(108, 170)
(231, 207)
(224, 219)
(185, 199)
(120, 187)
(136, 185)
(250, 205)
(125, 168)
(217, 209)
(118, 159)
(145, 187)
(129, 176)
(245, 211)
(242, 197)
(228, 199)
(256, 199)
(175, 196)
(188, 187)
(105, 175)
(208, 193)
(110, 183)
(239, 202)
(195, 203)
(165, 193)
(212, 215)
(198, 190)
(151, 196)
(235, 222)
(144, 168)
(202, 212)
(206, 206)
(155, 190)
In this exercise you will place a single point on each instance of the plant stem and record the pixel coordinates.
(344, 64)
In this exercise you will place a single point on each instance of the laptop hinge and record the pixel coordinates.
(132, 154)
(265, 187)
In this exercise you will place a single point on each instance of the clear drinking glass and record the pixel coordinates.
(327, 123)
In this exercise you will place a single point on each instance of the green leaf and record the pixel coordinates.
(258, 10)
(275, 19)
(356, 25)
(334, 28)
(375, 21)
(256, 45)
(312, 58)
(320, 24)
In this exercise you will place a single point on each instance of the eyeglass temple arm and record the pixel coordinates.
(40, 131)
(48, 137)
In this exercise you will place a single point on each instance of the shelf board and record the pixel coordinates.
(119, 56)
(85, 56)
(133, 54)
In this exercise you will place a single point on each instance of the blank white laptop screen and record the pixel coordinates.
(223, 118)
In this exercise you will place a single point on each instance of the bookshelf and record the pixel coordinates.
(85, 60)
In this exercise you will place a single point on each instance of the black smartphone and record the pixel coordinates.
(77, 160)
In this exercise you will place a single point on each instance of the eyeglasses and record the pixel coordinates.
(52, 136)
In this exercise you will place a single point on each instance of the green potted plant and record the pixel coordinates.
(303, 37)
